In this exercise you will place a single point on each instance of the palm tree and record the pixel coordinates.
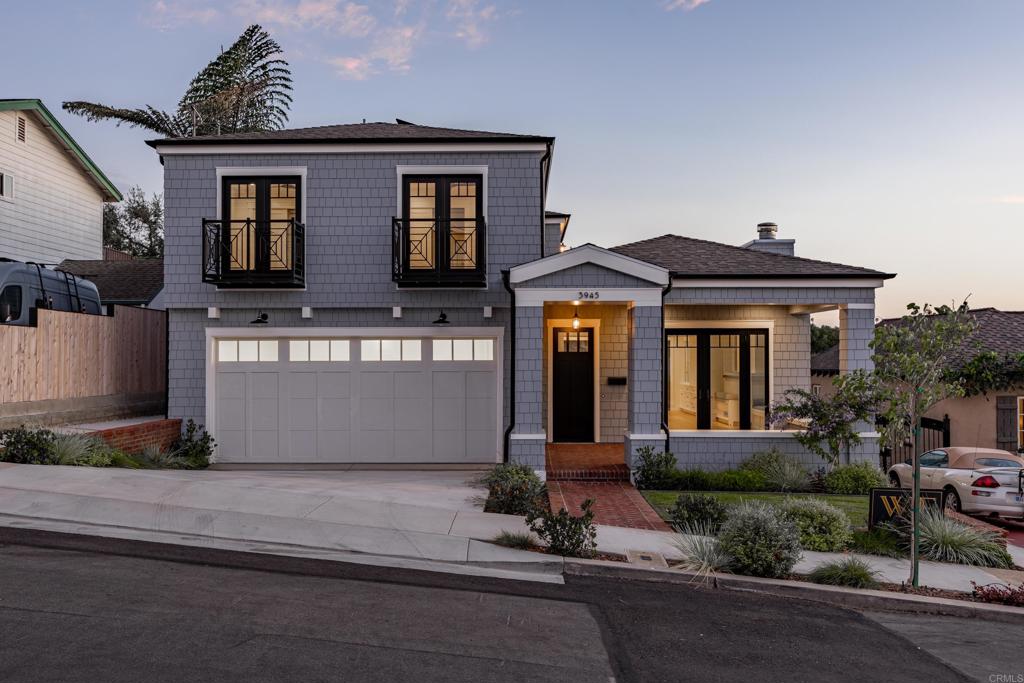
(245, 89)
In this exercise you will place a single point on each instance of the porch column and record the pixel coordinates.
(856, 330)
(527, 441)
(646, 341)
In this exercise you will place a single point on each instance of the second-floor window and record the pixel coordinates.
(259, 216)
(444, 221)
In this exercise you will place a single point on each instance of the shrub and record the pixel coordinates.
(701, 551)
(79, 449)
(194, 447)
(27, 446)
(698, 509)
(153, 457)
(514, 489)
(856, 479)
(786, 475)
(851, 572)
(729, 480)
(878, 541)
(821, 526)
(1000, 593)
(516, 539)
(946, 540)
(122, 459)
(654, 470)
(760, 540)
(566, 534)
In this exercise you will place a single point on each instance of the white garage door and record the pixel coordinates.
(356, 400)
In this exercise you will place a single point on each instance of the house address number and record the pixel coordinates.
(589, 295)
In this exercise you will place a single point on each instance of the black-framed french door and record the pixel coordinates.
(443, 214)
(716, 379)
(572, 385)
(260, 213)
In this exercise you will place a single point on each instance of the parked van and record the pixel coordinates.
(24, 286)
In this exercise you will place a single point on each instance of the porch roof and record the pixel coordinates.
(590, 254)
(688, 257)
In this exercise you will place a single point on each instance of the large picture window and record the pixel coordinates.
(717, 379)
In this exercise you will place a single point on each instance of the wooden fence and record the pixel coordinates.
(69, 358)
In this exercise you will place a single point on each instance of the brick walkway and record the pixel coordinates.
(615, 503)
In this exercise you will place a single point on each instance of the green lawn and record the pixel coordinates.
(855, 507)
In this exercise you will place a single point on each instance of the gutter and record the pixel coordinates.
(512, 363)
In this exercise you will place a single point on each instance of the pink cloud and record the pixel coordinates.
(352, 68)
(685, 5)
(350, 19)
(471, 20)
(168, 14)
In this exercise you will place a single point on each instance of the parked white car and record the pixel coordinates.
(972, 480)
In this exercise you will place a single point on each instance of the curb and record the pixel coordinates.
(837, 596)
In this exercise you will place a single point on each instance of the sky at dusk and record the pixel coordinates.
(876, 133)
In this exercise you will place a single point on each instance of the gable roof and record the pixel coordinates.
(1001, 332)
(688, 257)
(110, 192)
(355, 133)
(134, 281)
(589, 253)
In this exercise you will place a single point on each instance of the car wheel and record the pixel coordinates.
(894, 480)
(951, 500)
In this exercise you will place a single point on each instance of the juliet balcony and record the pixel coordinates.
(254, 254)
(431, 252)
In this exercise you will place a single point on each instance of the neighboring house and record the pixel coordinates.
(129, 282)
(394, 294)
(555, 226)
(995, 420)
(51, 192)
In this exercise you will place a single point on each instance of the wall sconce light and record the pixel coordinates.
(261, 319)
(442, 319)
(576, 319)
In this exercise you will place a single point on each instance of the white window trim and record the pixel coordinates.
(732, 325)
(353, 333)
(552, 323)
(440, 170)
(13, 181)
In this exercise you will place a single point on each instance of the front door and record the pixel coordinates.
(572, 376)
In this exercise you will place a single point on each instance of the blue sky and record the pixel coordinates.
(884, 134)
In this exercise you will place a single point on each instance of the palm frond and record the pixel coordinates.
(146, 117)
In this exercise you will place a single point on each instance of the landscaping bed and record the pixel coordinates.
(855, 507)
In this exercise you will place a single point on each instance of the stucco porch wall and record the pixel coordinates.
(790, 338)
(716, 453)
(613, 351)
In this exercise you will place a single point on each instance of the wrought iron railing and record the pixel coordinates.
(439, 252)
(248, 253)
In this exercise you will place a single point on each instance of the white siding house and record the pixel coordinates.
(51, 193)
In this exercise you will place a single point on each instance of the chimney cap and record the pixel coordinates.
(767, 230)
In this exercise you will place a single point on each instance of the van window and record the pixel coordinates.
(10, 304)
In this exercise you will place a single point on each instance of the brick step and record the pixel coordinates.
(603, 473)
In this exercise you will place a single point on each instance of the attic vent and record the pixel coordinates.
(21, 129)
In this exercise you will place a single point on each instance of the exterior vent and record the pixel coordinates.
(21, 129)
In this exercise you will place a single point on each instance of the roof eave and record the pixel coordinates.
(110, 191)
(781, 276)
(492, 140)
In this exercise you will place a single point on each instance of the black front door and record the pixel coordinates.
(572, 394)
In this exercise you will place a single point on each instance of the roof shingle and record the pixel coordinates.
(355, 133)
(691, 257)
(135, 281)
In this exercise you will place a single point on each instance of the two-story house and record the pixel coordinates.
(51, 192)
(396, 294)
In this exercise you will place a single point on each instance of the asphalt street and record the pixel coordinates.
(177, 614)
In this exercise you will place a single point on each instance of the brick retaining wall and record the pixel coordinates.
(135, 438)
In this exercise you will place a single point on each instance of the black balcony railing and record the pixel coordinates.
(248, 253)
(439, 252)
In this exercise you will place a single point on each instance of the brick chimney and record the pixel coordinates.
(767, 241)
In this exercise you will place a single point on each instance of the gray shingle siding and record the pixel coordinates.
(769, 295)
(718, 453)
(350, 201)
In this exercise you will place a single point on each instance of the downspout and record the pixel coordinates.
(511, 361)
(544, 162)
(664, 366)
